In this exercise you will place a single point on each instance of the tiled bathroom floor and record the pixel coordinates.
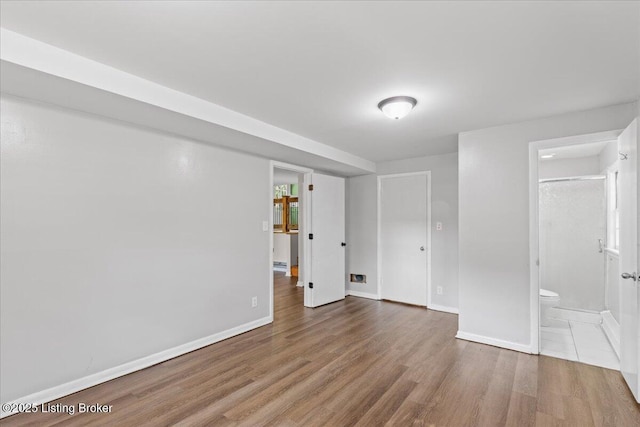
(582, 342)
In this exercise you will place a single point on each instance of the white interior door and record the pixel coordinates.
(404, 243)
(628, 208)
(327, 211)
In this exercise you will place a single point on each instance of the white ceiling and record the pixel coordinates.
(318, 69)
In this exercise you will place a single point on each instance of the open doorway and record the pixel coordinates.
(286, 221)
(287, 227)
(574, 222)
(319, 234)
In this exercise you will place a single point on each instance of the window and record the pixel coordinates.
(285, 207)
(281, 190)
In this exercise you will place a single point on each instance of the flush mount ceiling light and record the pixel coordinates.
(548, 156)
(397, 107)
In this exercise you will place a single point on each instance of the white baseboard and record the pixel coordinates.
(363, 295)
(300, 284)
(575, 315)
(74, 386)
(494, 342)
(611, 328)
(443, 308)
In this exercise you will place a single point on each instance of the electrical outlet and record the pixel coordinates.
(254, 302)
(439, 290)
(438, 226)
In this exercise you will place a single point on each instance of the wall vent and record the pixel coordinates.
(358, 278)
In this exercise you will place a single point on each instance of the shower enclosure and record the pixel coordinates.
(572, 214)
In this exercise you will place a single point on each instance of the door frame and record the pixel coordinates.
(628, 264)
(534, 255)
(379, 230)
(303, 223)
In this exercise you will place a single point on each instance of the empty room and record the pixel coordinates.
(319, 213)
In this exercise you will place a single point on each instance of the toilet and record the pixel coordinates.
(548, 299)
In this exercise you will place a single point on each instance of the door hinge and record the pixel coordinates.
(310, 285)
(310, 236)
(310, 187)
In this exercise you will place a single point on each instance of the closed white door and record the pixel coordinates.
(628, 208)
(404, 240)
(325, 236)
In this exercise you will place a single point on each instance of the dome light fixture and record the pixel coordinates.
(397, 107)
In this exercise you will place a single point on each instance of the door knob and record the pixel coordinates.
(422, 248)
(629, 276)
(343, 244)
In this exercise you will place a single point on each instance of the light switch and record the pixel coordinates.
(439, 226)
(265, 225)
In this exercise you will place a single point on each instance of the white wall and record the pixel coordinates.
(281, 247)
(607, 161)
(362, 224)
(612, 287)
(301, 229)
(608, 156)
(293, 250)
(117, 244)
(285, 249)
(494, 219)
(362, 232)
(637, 113)
(562, 168)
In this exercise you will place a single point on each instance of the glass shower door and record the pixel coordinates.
(572, 233)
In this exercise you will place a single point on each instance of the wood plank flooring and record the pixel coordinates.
(357, 362)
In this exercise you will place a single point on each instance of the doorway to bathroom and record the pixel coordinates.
(577, 297)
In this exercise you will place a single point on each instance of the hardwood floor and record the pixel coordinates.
(356, 362)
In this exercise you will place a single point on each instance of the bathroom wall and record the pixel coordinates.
(612, 288)
(608, 160)
(562, 168)
(608, 156)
